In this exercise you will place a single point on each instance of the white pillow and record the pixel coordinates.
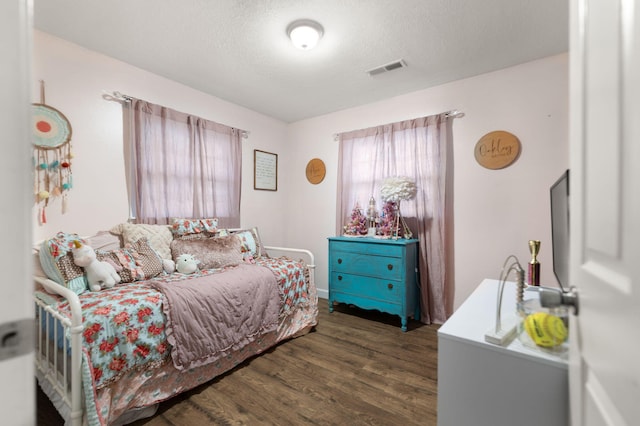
(159, 236)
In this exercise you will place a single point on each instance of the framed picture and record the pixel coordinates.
(265, 170)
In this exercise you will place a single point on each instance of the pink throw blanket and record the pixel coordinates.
(212, 315)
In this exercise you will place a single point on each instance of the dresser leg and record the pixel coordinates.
(330, 305)
(404, 323)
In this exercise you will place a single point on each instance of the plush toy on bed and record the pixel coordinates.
(169, 266)
(186, 264)
(99, 274)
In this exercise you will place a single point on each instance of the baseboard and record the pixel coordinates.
(323, 294)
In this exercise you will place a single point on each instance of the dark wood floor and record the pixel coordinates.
(355, 368)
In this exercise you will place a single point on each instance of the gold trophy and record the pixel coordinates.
(534, 265)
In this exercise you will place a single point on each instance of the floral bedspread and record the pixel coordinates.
(292, 280)
(124, 327)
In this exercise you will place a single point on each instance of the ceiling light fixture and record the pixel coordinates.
(304, 33)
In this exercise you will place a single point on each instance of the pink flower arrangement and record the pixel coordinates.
(358, 223)
(388, 224)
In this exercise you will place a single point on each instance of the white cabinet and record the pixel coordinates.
(482, 384)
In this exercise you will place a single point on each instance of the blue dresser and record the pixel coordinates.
(374, 273)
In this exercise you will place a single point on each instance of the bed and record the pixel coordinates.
(110, 357)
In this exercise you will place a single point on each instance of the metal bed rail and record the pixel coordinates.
(61, 366)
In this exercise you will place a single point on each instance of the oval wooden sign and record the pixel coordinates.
(316, 171)
(497, 150)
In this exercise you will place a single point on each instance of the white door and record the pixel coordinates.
(605, 211)
(16, 309)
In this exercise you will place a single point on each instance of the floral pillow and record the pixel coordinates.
(215, 252)
(183, 227)
(135, 262)
(56, 260)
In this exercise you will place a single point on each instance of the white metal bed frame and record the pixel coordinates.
(66, 384)
(61, 369)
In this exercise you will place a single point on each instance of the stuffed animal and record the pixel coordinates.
(169, 266)
(99, 274)
(186, 264)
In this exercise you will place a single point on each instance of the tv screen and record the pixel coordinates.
(560, 229)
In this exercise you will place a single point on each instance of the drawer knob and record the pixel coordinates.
(390, 286)
(390, 267)
(339, 261)
(339, 277)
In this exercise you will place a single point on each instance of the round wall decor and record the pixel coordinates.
(51, 129)
(315, 171)
(497, 150)
(51, 156)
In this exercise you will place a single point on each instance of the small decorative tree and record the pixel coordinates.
(388, 222)
(358, 223)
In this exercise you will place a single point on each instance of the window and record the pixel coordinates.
(369, 156)
(417, 149)
(182, 166)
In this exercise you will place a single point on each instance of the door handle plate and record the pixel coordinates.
(16, 338)
(552, 298)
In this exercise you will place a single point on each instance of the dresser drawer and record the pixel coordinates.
(375, 249)
(371, 288)
(373, 273)
(388, 268)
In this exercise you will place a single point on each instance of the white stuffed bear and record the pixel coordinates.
(186, 264)
(99, 274)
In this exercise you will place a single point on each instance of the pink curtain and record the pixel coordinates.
(420, 149)
(182, 166)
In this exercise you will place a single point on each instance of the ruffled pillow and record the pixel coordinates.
(251, 245)
(56, 260)
(215, 252)
(135, 262)
(184, 227)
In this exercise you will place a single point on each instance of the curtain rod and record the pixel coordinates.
(454, 114)
(449, 114)
(119, 97)
(116, 96)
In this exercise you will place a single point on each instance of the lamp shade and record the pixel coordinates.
(304, 34)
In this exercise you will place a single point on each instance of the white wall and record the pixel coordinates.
(75, 79)
(496, 211)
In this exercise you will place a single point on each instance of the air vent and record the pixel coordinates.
(387, 67)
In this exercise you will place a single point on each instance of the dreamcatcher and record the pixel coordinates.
(51, 156)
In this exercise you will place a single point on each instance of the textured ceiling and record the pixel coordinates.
(238, 50)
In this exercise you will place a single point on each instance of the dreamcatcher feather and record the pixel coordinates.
(52, 156)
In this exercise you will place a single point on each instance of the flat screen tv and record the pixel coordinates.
(560, 229)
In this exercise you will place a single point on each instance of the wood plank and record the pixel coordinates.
(357, 367)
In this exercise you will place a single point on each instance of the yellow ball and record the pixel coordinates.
(545, 330)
